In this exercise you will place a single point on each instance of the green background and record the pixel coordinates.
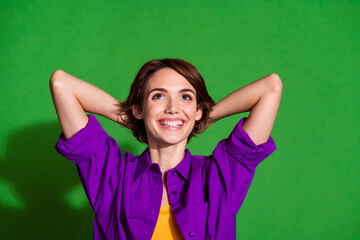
(307, 189)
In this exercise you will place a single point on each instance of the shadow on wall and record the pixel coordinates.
(41, 196)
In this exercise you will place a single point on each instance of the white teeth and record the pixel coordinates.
(171, 123)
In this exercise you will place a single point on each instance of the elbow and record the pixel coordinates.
(276, 83)
(56, 78)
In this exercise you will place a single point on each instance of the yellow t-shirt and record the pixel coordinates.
(166, 227)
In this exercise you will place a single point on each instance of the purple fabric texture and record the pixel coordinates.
(125, 191)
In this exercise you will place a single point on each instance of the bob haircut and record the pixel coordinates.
(135, 98)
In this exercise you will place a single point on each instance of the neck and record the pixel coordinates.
(168, 156)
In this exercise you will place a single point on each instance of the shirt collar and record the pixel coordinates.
(184, 166)
(144, 163)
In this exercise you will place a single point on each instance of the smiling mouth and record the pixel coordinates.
(171, 123)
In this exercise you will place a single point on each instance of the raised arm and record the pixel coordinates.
(262, 98)
(73, 96)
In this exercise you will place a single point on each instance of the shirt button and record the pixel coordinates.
(191, 234)
(146, 232)
(173, 172)
(174, 192)
(153, 212)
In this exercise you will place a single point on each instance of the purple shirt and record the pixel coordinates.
(125, 191)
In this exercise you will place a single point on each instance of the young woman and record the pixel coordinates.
(165, 193)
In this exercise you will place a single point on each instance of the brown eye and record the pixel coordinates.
(186, 97)
(157, 96)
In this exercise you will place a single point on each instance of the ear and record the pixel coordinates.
(198, 114)
(137, 112)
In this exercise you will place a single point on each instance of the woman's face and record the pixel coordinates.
(169, 108)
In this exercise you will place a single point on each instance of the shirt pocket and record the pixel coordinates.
(199, 214)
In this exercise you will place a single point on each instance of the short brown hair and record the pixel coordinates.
(135, 98)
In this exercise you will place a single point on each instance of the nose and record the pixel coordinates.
(172, 107)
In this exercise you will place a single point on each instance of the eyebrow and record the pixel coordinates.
(164, 90)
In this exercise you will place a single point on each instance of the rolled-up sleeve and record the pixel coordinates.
(237, 158)
(241, 147)
(84, 143)
(95, 154)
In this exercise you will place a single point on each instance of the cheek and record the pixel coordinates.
(190, 111)
(153, 109)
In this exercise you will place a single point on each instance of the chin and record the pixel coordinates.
(171, 141)
(165, 136)
(167, 141)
